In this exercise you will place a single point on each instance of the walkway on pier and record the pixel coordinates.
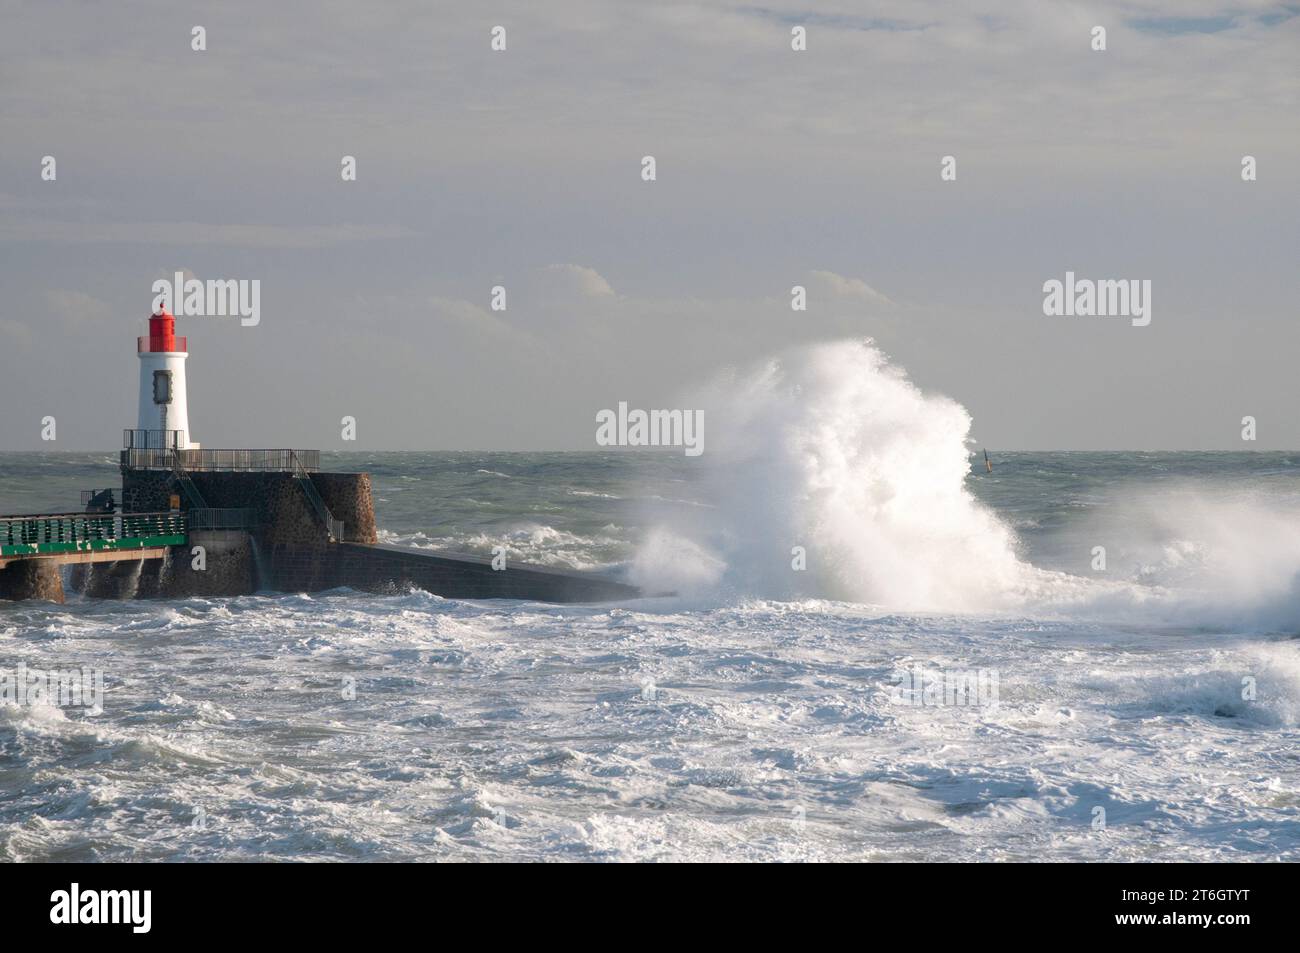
(89, 537)
(104, 537)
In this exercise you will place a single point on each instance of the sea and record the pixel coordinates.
(861, 644)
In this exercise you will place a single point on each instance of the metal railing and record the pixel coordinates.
(192, 494)
(153, 439)
(157, 343)
(286, 461)
(209, 518)
(102, 501)
(63, 532)
(333, 527)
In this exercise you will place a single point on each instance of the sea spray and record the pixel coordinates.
(1208, 554)
(832, 451)
(261, 579)
(831, 475)
(132, 588)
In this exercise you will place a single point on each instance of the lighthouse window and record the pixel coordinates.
(162, 387)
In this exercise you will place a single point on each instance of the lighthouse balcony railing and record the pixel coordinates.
(158, 344)
(284, 461)
(153, 439)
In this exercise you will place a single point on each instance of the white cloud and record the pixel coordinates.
(469, 318)
(13, 332)
(198, 233)
(77, 307)
(478, 169)
(560, 282)
(838, 286)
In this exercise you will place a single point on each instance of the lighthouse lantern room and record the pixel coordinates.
(164, 417)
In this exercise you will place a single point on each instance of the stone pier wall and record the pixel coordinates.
(228, 568)
(115, 580)
(234, 560)
(32, 579)
(282, 507)
(349, 498)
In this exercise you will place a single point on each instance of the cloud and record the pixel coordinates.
(564, 282)
(77, 307)
(199, 233)
(479, 169)
(470, 319)
(14, 333)
(838, 286)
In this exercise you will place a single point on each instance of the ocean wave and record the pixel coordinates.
(533, 543)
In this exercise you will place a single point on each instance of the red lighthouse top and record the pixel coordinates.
(162, 335)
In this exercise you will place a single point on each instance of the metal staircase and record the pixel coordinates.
(192, 494)
(332, 526)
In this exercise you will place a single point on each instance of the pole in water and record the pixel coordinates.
(987, 463)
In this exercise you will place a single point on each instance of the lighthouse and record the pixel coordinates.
(164, 416)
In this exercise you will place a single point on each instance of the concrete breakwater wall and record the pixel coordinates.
(235, 564)
(398, 569)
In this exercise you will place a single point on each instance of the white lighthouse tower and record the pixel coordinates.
(164, 415)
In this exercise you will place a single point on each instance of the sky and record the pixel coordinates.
(774, 168)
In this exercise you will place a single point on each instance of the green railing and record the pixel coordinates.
(82, 532)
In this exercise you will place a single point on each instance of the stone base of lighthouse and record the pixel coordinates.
(236, 562)
(282, 511)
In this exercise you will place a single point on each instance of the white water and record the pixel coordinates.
(832, 449)
(749, 718)
(490, 730)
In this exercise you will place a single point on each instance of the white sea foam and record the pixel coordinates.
(1208, 555)
(748, 718)
(832, 449)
